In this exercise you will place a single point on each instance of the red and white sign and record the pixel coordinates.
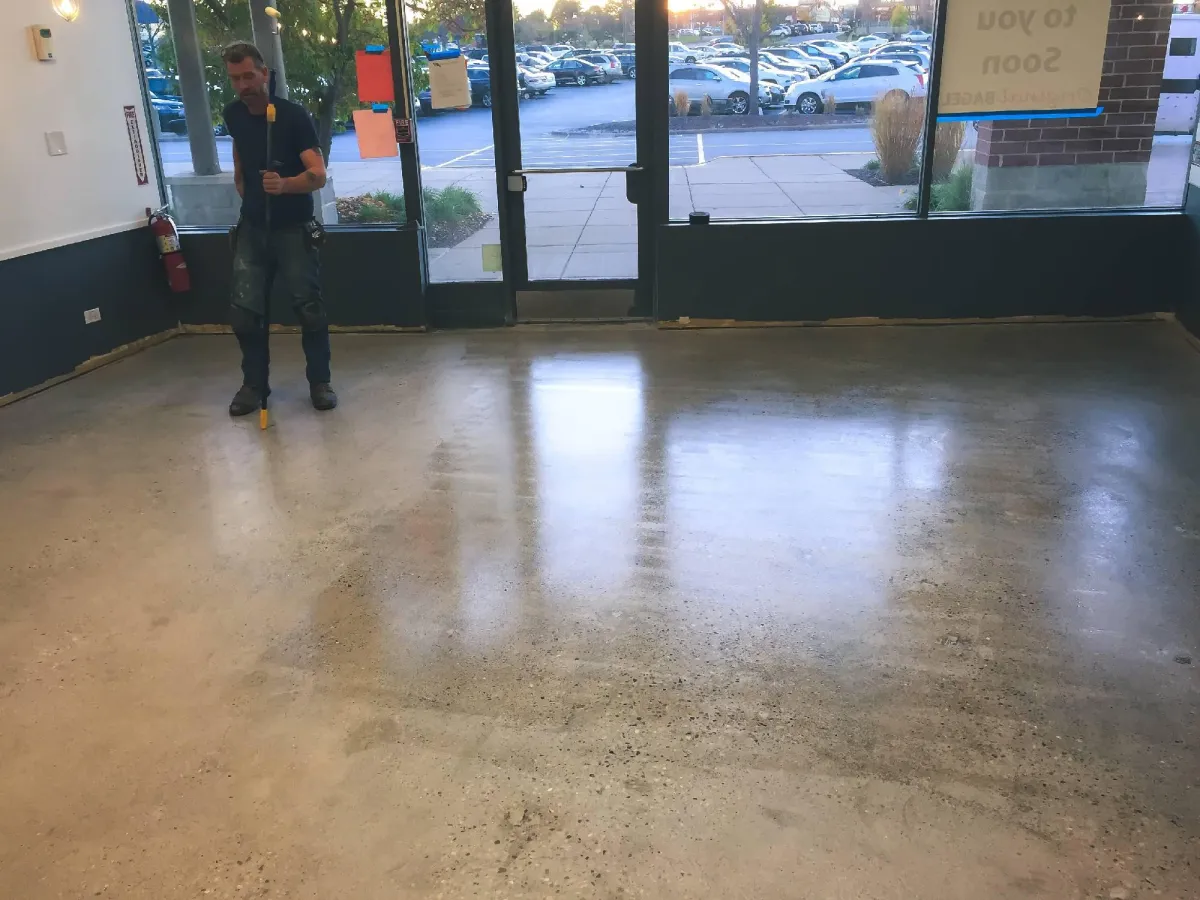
(135, 145)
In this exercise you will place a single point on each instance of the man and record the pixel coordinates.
(277, 192)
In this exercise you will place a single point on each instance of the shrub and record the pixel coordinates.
(683, 105)
(952, 195)
(449, 204)
(445, 206)
(947, 143)
(872, 165)
(706, 105)
(830, 107)
(896, 131)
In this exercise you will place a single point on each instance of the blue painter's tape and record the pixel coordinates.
(1027, 114)
(380, 107)
(443, 54)
(375, 48)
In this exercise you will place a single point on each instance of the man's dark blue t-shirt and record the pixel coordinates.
(294, 133)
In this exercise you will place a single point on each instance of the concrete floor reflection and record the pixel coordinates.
(611, 612)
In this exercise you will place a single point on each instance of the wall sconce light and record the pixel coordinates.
(66, 9)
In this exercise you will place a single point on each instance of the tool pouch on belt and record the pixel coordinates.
(314, 234)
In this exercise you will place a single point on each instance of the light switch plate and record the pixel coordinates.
(56, 144)
(91, 316)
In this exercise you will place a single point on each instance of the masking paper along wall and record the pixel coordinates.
(47, 201)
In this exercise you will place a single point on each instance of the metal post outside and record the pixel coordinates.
(193, 87)
(266, 37)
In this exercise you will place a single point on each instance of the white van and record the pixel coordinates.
(1179, 98)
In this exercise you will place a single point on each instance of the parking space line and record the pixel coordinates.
(464, 156)
(700, 146)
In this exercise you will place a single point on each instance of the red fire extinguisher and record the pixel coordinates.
(162, 226)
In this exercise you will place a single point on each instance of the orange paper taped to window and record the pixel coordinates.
(374, 76)
(376, 134)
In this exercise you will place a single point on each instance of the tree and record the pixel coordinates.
(563, 12)
(533, 28)
(748, 25)
(319, 40)
(446, 17)
(899, 17)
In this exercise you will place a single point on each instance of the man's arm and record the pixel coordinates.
(311, 179)
(239, 181)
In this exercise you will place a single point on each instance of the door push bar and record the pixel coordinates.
(636, 183)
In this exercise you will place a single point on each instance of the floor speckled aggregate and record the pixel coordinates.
(849, 614)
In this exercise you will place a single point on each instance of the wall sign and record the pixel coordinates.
(135, 145)
(1022, 55)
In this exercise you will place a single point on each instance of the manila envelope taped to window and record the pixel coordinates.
(448, 84)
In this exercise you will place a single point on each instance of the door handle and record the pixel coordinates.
(569, 170)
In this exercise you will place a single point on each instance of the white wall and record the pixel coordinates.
(47, 201)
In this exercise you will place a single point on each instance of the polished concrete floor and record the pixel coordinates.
(842, 614)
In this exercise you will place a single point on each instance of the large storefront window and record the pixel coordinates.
(1134, 69)
(318, 42)
(1059, 106)
(836, 126)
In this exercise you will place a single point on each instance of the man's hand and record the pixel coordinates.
(273, 184)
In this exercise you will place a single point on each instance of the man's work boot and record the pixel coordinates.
(245, 401)
(322, 396)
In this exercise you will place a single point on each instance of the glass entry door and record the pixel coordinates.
(567, 151)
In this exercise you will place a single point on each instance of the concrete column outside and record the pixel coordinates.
(269, 43)
(193, 87)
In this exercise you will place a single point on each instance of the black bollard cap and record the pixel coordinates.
(698, 218)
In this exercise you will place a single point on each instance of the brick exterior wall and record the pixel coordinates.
(1133, 68)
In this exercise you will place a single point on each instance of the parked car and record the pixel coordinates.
(728, 90)
(846, 51)
(682, 53)
(576, 71)
(859, 82)
(536, 48)
(766, 71)
(815, 52)
(795, 51)
(170, 114)
(918, 36)
(534, 82)
(799, 28)
(788, 64)
(481, 89)
(606, 61)
(628, 64)
(910, 56)
(558, 51)
(618, 48)
(792, 66)
(780, 31)
(724, 39)
(869, 43)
